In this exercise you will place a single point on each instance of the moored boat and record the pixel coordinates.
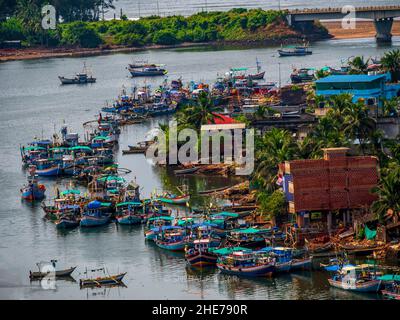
(129, 213)
(33, 190)
(199, 255)
(99, 281)
(96, 214)
(47, 268)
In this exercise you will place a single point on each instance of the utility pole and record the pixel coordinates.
(139, 8)
(279, 5)
(280, 79)
(158, 8)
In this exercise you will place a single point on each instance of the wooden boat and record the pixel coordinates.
(302, 75)
(147, 71)
(362, 249)
(301, 263)
(211, 191)
(186, 171)
(295, 52)
(33, 191)
(67, 222)
(174, 199)
(391, 286)
(248, 238)
(129, 213)
(80, 78)
(58, 273)
(98, 282)
(245, 263)
(172, 239)
(356, 278)
(96, 214)
(319, 245)
(199, 255)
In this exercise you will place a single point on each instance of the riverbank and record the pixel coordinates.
(364, 29)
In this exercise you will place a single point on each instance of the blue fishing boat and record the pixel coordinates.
(154, 225)
(246, 263)
(96, 214)
(360, 278)
(48, 168)
(172, 239)
(281, 257)
(68, 220)
(32, 190)
(129, 213)
(199, 255)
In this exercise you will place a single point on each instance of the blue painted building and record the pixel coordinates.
(360, 86)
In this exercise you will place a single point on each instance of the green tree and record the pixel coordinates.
(358, 65)
(165, 37)
(391, 62)
(388, 193)
(81, 34)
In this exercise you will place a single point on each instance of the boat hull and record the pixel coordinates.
(32, 194)
(299, 264)
(368, 286)
(88, 221)
(177, 200)
(66, 224)
(201, 259)
(49, 172)
(59, 273)
(172, 246)
(129, 220)
(117, 279)
(256, 271)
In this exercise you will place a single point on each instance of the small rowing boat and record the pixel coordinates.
(186, 171)
(46, 268)
(98, 282)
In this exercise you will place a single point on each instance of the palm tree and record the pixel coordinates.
(201, 113)
(358, 124)
(358, 65)
(391, 62)
(388, 193)
(275, 147)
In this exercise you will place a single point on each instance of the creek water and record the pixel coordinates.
(34, 104)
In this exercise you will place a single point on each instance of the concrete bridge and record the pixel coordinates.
(381, 15)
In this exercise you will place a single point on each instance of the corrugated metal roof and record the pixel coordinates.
(350, 78)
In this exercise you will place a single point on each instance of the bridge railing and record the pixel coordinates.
(339, 10)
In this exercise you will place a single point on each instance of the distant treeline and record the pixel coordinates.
(81, 26)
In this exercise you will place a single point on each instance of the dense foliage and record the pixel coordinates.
(234, 25)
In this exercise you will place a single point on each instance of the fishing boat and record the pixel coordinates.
(172, 239)
(301, 263)
(154, 226)
(280, 256)
(356, 278)
(391, 286)
(186, 171)
(297, 51)
(147, 71)
(199, 255)
(96, 214)
(302, 75)
(99, 281)
(80, 78)
(246, 263)
(248, 237)
(174, 199)
(67, 221)
(48, 168)
(129, 213)
(32, 190)
(46, 268)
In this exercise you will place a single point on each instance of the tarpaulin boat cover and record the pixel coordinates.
(370, 234)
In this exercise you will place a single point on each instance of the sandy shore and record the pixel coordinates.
(364, 29)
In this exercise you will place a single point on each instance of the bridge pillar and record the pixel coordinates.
(383, 29)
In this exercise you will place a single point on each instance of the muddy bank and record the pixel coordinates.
(364, 29)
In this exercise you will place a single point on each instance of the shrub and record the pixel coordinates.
(81, 34)
(165, 37)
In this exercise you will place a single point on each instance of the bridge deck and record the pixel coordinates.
(339, 10)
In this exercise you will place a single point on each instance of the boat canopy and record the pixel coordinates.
(99, 138)
(229, 250)
(111, 178)
(97, 204)
(225, 214)
(251, 230)
(390, 277)
(238, 69)
(182, 222)
(69, 191)
(129, 203)
(336, 267)
(86, 148)
(165, 228)
(166, 218)
(33, 148)
(70, 207)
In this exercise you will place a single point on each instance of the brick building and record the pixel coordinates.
(336, 183)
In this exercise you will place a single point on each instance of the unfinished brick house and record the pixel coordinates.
(335, 184)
